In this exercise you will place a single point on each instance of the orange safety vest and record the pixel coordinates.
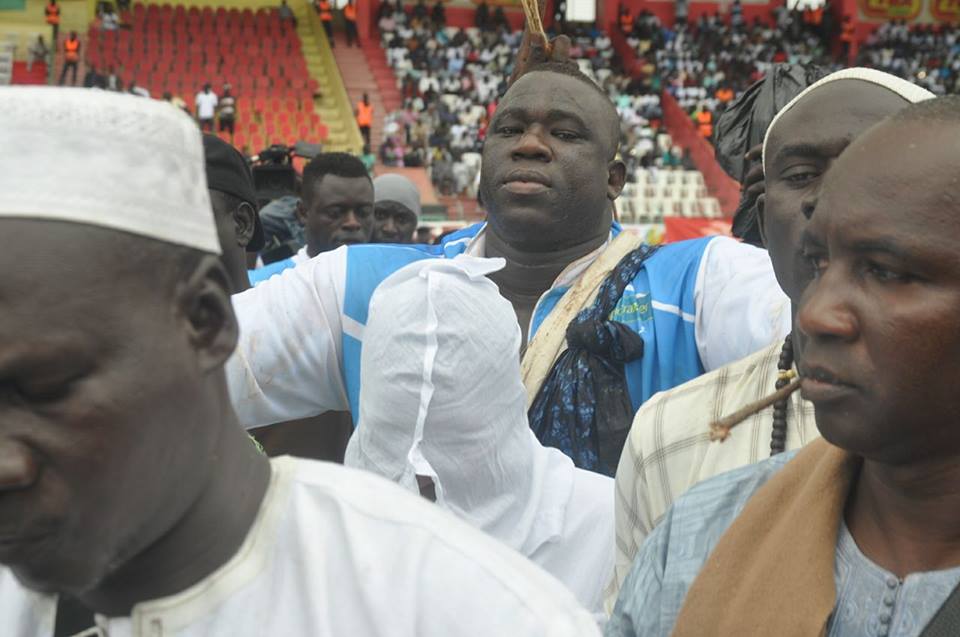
(705, 120)
(350, 13)
(53, 14)
(626, 22)
(364, 114)
(849, 32)
(325, 13)
(72, 50)
(814, 17)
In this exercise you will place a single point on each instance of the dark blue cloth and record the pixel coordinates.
(583, 407)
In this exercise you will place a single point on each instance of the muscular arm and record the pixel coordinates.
(288, 362)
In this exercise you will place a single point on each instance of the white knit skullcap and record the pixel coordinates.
(907, 90)
(104, 159)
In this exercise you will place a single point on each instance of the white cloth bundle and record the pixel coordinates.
(441, 397)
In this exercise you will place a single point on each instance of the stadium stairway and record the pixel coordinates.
(383, 75)
(334, 104)
(358, 79)
(684, 133)
(22, 26)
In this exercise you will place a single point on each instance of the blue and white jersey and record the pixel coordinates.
(697, 305)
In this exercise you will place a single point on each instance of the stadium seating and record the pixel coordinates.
(177, 49)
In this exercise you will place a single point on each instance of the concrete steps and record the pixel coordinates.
(320, 66)
(358, 79)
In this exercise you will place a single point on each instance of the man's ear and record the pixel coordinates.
(203, 303)
(301, 212)
(244, 218)
(761, 219)
(616, 178)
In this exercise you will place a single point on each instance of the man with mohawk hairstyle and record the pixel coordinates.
(606, 321)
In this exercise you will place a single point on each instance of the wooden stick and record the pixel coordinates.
(720, 430)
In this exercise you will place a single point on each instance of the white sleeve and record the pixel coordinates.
(288, 361)
(740, 306)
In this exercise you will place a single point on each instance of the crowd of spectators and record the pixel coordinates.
(450, 80)
(706, 63)
(928, 55)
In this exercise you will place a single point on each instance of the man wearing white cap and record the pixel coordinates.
(125, 480)
(857, 534)
(751, 403)
(467, 439)
(396, 209)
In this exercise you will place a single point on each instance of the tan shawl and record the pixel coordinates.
(551, 338)
(772, 572)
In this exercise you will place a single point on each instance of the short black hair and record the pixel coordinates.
(570, 68)
(338, 164)
(939, 109)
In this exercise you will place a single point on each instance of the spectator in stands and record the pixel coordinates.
(108, 19)
(482, 17)
(91, 78)
(350, 23)
(336, 206)
(396, 209)
(680, 12)
(227, 110)
(736, 15)
(420, 11)
(325, 11)
(114, 83)
(364, 115)
(139, 91)
(438, 16)
(206, 103)
(175, 101)
(286, 13)
(52, 17)
(71, 58)
(500, 18)
(368, 158)
(37, 52)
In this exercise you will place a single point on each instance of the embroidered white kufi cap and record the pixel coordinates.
(112, 160)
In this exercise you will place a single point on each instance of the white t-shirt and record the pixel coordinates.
(206, 104)
(337, 552)
(289, 361)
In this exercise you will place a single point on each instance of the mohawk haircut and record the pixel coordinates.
(570, 68)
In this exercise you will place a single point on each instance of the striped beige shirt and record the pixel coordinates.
(669, 448)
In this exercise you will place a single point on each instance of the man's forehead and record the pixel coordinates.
(544, 91)
(337, 187)
(830, 117)
(901, 172)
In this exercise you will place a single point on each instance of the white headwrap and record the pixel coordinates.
(907, 90)
(441, 396)
(104, 159)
